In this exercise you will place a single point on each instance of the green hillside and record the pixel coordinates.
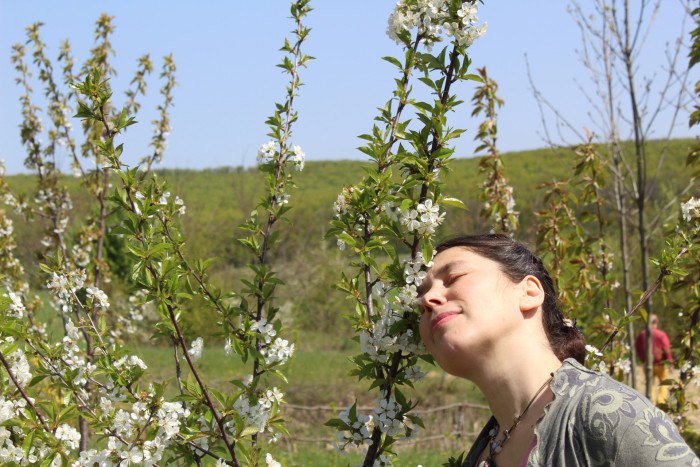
(218, 200)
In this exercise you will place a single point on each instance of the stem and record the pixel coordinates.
(645, 297)
(374, 448)
(219, 421)
(178, 369)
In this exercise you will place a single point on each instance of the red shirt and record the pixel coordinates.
(660, 346)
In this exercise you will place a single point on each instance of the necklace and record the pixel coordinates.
(496, 447)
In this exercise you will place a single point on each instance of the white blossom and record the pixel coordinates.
(432, 18)
(424, 219)
(164, 198)
(359, 432)
(16, 308)
(625, 365)
(414, 271)
(340, 206)
(266, 152)
(168, 418)
(299, 157)
(228, 348)
(414, 373)
(257, 414)
(387, 415)
(98, 297)
(6, 227)
(182, 208)
(266, 330)
(68, 435)
(270, 462)
(592, 350)
(691, 209)
(600, 366)
(195, 350)
(280, 351)
(19, 365)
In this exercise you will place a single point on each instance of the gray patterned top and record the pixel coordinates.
(595, 420)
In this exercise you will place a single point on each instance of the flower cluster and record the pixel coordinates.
(389, 416)
(19, 366)
(69, 436)
(66, 284)
(424, 219)
(597, 356)
(165, 417)
(177, 206)
(15, 454)
(268, 152)
(625, 365)
(265, 329)
(415, 270)
(382, 341)
(57, 204)
(10, 409)
(298, 157)
(6, 227)
(16, 309)
(501, 194)
(270, 461)
(691, 209)
(256, 411)
(432, 18)
(340, 206)
(196, 348)
(279, 352)
(414, 373)
(97, 297)
(356, 429)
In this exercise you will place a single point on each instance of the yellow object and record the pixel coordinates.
(659, 392)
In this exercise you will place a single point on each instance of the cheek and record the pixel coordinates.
(424, 329)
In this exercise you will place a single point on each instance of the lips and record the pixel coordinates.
(442, 318)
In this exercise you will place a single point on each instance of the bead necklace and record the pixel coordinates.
(496, 447)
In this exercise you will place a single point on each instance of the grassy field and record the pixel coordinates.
(319, 386)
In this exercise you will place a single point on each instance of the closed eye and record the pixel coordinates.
(453, 277)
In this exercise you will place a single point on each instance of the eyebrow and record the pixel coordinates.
(441, 271)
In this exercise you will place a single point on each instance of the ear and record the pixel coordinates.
(532, 294)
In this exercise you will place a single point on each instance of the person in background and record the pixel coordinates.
(661, 350)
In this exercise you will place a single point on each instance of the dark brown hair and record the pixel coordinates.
(516, 262)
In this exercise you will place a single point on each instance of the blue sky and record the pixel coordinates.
(226, 53)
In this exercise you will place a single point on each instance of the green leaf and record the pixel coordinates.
(453, 202)
(473, 77)
(393, 61)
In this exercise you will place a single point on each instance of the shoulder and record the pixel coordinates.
(613, 421)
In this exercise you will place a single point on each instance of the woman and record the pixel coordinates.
(490, 315)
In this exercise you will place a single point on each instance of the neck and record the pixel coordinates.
(510, 382)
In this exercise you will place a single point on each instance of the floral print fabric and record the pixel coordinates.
(595, 420)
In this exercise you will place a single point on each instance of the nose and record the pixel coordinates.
(434, 296)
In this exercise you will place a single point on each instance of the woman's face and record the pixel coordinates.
(468, 305)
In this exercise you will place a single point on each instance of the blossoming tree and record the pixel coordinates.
(88, 384)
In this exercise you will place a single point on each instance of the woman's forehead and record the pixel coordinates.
(455, 253)
(454, 257)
